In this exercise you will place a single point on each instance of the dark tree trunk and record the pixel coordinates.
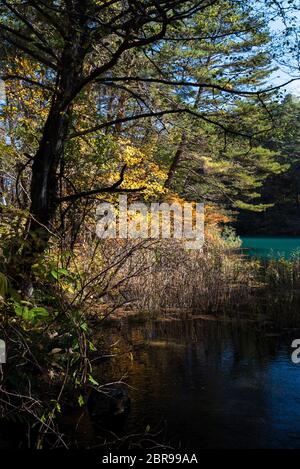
(44, 183)
(176, 161)
(45, 180)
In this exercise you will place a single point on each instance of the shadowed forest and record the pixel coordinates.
(169, 101)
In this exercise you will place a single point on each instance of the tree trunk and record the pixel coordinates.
(176, 161)
(45, 179)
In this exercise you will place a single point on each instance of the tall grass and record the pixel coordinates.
(218, 279)
(199, 281)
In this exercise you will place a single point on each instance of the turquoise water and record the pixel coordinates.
(272, 246)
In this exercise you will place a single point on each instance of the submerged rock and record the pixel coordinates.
(112, 402)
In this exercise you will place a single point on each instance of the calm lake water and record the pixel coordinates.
(206, 384)
(268, 247)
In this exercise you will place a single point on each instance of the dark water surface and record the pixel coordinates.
(212, 385)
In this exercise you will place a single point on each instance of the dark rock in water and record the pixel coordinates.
(110, 403)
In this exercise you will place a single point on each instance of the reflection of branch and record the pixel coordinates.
(111, 189)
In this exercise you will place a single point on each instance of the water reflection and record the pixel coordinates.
(213, 385)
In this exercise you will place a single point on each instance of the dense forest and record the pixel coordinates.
(169, 101)
(280, 192)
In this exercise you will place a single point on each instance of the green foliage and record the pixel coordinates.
(230, 237)
(81, 401)
(252, 207)
(31, 314)
(280, 192)
(282, 273)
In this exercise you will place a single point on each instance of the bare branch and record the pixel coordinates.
(114, 188)
(27, 80)
(52, 20)
(30, 26)
(134, 117)
(24, 47)
(197, 84)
